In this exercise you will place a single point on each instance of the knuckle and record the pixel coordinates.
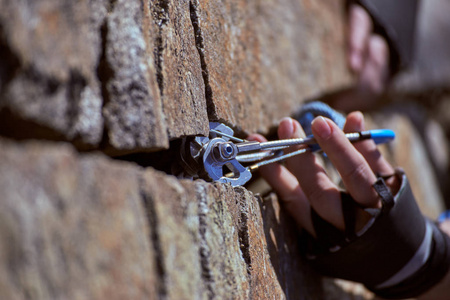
(361, 19)
(379, 45)
(356, 174)
(315, 194)
(358, 13)
(292, 195)
(378, 52)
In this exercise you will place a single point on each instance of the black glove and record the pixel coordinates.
(398, 254)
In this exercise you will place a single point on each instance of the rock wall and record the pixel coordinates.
(87, 227)
(82, 83)
(129, 76)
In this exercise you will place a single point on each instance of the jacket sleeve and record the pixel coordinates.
(398, 254)
(396, 22)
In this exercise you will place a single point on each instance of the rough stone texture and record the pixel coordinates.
(48, 86)
(223, 263)
(128, 76)
(147, 236)
(63, 235)
(179, 71)
(132, 110)
(258, 65)
(173, 211)
(297, 280)
(264, 282)
(62, 62)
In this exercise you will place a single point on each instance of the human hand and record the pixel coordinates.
(303, 186)
(303, 183)
(367, 53)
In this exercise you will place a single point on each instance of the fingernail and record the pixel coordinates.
(362, 123)
(297, 130)
(321, 127)
(357, 120)
(356, 61)
(287, 130)
(252, 138)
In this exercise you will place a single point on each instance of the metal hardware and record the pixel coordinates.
(219, 157)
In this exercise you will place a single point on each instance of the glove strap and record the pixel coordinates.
(398, 254)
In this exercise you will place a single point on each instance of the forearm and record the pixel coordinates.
(415, 262)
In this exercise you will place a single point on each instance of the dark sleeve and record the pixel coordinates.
(398, 254)
(395, 20)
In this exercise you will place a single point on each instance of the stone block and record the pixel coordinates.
(264, 283)
(147, 235)
(132, 109)
(296, 278)
(128, 76)
(261, 59)
(80, 72)
(173, 212)
(48, 86)
(223, 265)
(70, 227)
(178, 69)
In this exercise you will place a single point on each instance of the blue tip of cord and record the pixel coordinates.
(444, 216)
(381, 136)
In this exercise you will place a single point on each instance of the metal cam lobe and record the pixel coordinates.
(224, 152)
(214, 161)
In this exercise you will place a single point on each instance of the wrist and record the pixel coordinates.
(399, 254)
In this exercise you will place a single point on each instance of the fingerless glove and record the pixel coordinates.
(398, 254)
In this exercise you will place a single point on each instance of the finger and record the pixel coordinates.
(378, 164)
(445, 226)
(375, 72)
(288, 189)
(355, 172)
(322, 193)
(368, 148)
(359, 29)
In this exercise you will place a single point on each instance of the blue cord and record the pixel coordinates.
(444, 216)
(313, 109)
(316, 108)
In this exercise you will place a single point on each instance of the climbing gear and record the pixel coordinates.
(401, 254)
(444, 216)
(306, 114)
(220, 157)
